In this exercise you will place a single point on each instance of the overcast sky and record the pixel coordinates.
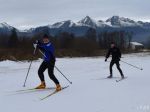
(31, 13)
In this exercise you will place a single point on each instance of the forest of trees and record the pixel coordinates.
(66, 44)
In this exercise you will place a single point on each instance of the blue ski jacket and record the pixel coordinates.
(48, 50)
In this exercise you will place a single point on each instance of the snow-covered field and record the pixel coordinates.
(90, 92)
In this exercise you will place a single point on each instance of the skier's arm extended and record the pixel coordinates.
(108, 54)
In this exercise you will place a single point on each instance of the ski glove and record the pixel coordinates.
(37, 42)
(35, 45)
(105, 59)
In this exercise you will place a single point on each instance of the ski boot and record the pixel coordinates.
(41, 86)
(58, 87)
(122, 76)
(110, 76)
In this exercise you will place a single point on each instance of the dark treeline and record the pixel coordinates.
(66, 44)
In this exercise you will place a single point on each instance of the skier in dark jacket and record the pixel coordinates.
(116, 55)
(48, 62)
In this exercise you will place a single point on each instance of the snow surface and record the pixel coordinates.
(90, 92)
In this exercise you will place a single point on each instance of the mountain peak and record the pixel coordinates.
(6, 26)
(122, 21)
(88, 21)
(114, 20)
(87, 18)
(115, 17)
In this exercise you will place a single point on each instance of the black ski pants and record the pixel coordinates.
(118, 66)
(50, 66)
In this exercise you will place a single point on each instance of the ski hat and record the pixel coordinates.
(45, 36)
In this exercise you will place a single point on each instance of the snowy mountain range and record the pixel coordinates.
(114, 21)
(140, 29)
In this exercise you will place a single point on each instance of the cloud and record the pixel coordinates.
(27, 13)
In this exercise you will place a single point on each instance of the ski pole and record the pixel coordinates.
(132, 65)
(57, 69)
(29, 69)
(63, 75)
(27, 74)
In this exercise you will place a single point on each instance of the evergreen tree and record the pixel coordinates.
(13, 40)
(91, 34)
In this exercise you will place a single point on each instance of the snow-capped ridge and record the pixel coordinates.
(122, 22)
(101, 23)
(4, 25)
(145, 24)
(63, 24)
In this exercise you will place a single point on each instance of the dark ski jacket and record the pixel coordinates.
(115, 52)
(48, 50)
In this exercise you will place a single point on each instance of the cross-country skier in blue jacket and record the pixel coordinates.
(48, 62)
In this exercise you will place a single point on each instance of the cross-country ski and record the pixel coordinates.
(34, 89)
(53, 93)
